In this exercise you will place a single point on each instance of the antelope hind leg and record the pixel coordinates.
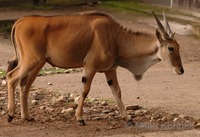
(86, 80)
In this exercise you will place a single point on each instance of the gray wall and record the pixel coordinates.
(186, 4)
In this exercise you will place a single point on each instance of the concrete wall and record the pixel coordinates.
(186, 4)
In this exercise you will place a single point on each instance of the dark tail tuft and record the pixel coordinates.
(12, 64)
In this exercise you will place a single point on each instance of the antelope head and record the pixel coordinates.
(168, 47)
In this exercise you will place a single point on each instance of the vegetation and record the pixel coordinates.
(138, 7)
(2, 73)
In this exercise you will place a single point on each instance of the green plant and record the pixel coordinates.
(2, 73)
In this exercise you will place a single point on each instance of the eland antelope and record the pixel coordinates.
(92, 40)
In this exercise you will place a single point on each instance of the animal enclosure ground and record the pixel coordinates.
(161, 94)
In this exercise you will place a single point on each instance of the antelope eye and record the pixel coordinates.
(171, 49)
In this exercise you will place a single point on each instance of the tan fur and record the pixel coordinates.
(92, 40)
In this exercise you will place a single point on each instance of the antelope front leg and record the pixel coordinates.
(86, 80)
(114, 85)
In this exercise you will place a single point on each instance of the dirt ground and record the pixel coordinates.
(160, 89)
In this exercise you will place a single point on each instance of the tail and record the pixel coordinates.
(13, 63)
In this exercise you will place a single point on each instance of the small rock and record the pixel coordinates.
(49, 83)
(148, 116)
(48, 72)
(3, 83)
(181, 116)
(42, 107)
(59, 99)
(76, 100)
(197, 125)
(139, 113)
(131, 112)
(117, 111)
(34, 102)
(49, 109)
(97, 118)
(169, 117)
(117, 117)
(138, 98)
(106, 111)
(71, 96)
(152, 119)
(39, 97)
(3, 112)
(145, 111)
(164, 119)
(68, 70)
(69, 110)
(70, 100)
(132, 107)
(2, 92)
(2, 98)
(112, 114)
(176, 119)
(104, 103)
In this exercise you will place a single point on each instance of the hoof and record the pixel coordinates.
(9, 118)
(80, 122)
(30, 119)
(129, 124)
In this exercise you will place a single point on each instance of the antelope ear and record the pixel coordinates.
(159, 35)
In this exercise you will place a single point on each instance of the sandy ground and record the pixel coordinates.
(160, 88)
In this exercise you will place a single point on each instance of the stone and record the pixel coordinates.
(2, 98)
(43, 107)
(49, 83)
(112, 114)
(48, 72)
(132, 107)
(106, 111)
(197, 125)
(4, 82)
(164, 119)
(97, 118)
(49, 109)
(39, 97)
(104, 103)
(139, 113)
(3, 112)
(152, 119)
(159, 120)
(71, 96)
(59, 99)
(76, 100)
(68, 71)
(68, 110)
(117, 111)
(181, 116)
(148, 116)
(169, 117)
(34, 102)
(177, 119)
